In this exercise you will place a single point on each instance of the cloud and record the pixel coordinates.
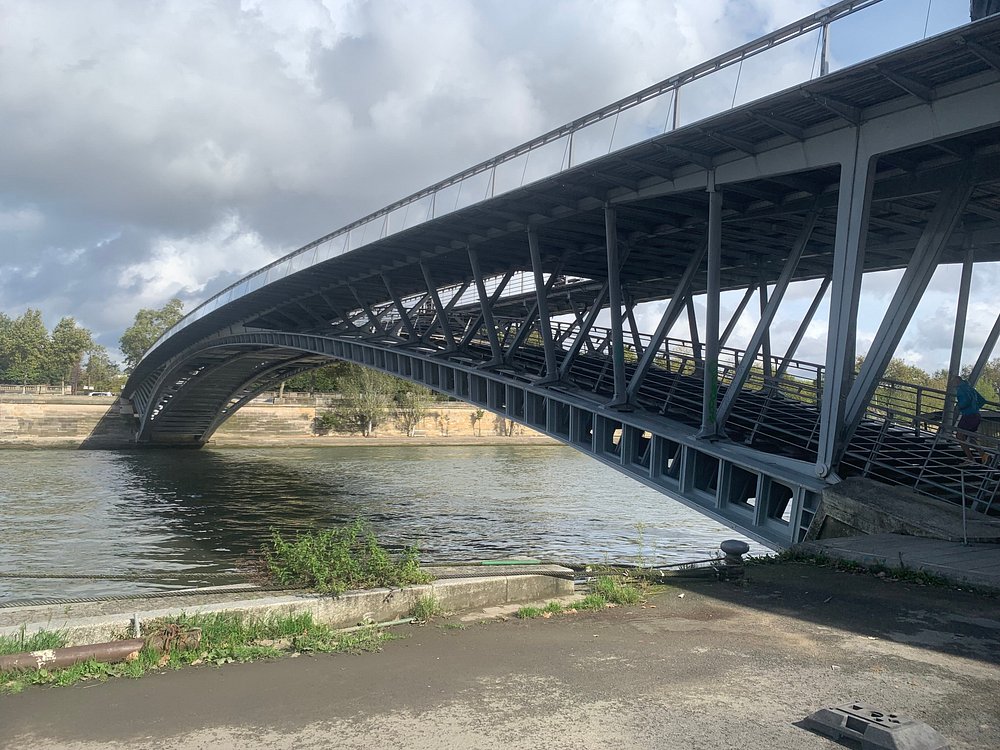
(161, 149)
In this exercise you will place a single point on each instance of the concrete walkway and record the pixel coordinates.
(974, 564)
(702, 666)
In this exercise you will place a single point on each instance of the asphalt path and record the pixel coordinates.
(701, 665)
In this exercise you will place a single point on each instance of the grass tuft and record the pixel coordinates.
(43, 639)
(426, 609)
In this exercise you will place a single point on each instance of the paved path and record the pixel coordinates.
(976, 564)
(704, 665)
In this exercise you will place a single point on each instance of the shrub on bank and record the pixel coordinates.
(335, 560)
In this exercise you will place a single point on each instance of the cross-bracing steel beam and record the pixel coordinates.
(479, 320)
(584, 332)
(670, 315)
(926, 256)
(525, 326)
(372, 318)
(403, 313)
(737, 314)
(986, 352)
(763, 326)
(542, 294)
(800, 332)
(485, 306)
(440, 313)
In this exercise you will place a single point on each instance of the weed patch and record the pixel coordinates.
(335, 560)
(225, 637)
(425, 609)
(16, 644)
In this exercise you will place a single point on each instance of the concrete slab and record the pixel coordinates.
(93, 622)
(862, 506)
(975, 564)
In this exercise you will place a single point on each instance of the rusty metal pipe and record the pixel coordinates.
(109, 652)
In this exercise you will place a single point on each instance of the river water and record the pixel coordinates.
(188, 513)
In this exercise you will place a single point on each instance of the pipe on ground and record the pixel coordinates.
(109, 652)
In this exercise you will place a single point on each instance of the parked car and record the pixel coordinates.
(101, 393)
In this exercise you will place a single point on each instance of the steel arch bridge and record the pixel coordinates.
(890, 164)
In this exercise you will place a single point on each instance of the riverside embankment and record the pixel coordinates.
(701, 665)
(51, 421)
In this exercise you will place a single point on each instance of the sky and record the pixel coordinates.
(160, 149)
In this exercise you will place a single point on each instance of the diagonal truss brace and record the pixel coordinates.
(764, 325)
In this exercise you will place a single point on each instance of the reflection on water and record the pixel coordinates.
(200, 511)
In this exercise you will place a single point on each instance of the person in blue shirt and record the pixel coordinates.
(969, 402)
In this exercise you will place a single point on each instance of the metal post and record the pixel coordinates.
(615, 305)
(677, 108)
(824, 55)
(958, 339)
(693, 328)
(710, 394)
(485, 308)
(856, 177)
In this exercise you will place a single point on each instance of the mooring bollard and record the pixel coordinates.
(732, 562)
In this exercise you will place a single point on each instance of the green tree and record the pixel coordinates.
(320, 380)
(368, 395)
(64, 355)
(100, 373)
(148, 326)
(23, 344)
(411, 408)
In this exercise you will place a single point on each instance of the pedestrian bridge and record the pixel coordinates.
(519, 293)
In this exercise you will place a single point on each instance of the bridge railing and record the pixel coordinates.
(716, 85)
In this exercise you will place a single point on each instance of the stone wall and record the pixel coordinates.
(96, 422)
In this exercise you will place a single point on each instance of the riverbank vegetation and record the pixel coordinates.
(605, 591)
(335, 560)
(225, 637)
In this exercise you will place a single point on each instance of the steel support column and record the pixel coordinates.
(471, 334)
(857, 173)
(542, 295)
(372, 318)
(958, 338)
(615, 306)
(713, 290)
(764, 325)
(923, 263)
(762, 298)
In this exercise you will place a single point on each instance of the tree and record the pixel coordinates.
(23, 344)
(148, 326)
(100, 373)
(368, 394)
(411, 408)
(64, 355)
(477, 418)
(320, 380)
